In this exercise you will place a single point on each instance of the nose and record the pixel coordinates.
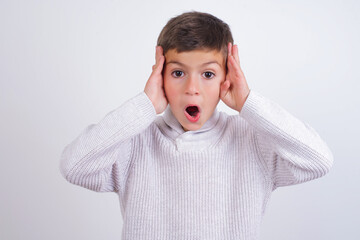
(192, 86)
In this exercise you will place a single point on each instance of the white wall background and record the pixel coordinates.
(66, 64)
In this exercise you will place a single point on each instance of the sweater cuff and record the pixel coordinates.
(266, 115)
(132, 117)
(250, 104)
(138, 113)
(144, 106)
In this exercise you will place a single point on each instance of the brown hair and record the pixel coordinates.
(195, 30)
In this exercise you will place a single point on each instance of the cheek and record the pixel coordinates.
(213, 94)
(170, 90)
(213, 89)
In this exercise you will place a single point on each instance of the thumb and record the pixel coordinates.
(224, 88)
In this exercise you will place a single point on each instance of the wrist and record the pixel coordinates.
(150, 98)
(243, 101)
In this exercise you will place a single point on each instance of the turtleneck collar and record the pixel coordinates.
(191, 140)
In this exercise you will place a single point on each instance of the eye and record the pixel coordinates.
(176, 74)
(209, 75)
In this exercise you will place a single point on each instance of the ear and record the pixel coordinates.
(224, 87)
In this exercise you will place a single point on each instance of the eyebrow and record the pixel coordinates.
(181, 64)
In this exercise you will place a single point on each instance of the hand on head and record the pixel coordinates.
(154, 87)
(234, 90)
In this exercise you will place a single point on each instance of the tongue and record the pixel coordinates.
(193, 110)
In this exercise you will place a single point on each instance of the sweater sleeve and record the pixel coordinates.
(292, 152)
(99, 158)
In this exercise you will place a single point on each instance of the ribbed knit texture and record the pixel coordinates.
(213, 183)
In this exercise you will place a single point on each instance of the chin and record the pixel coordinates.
(191, 127)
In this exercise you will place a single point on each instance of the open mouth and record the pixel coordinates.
(192, 112)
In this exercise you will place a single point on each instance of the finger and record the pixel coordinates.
(159, 66)
(232, 63)
(229, 54)
(157, 54)
(229, 49)
(236, 53)
(162, 55)
(233, 66)
(161, 50)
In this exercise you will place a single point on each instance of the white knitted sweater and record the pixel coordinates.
(213, 183)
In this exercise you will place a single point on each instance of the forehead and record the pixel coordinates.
(194, 58)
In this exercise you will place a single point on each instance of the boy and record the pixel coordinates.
(194, 172)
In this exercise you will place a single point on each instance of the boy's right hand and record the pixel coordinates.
(154, 87)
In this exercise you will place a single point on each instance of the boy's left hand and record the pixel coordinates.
(234, 90)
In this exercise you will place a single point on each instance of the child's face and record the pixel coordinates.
(193, 78)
